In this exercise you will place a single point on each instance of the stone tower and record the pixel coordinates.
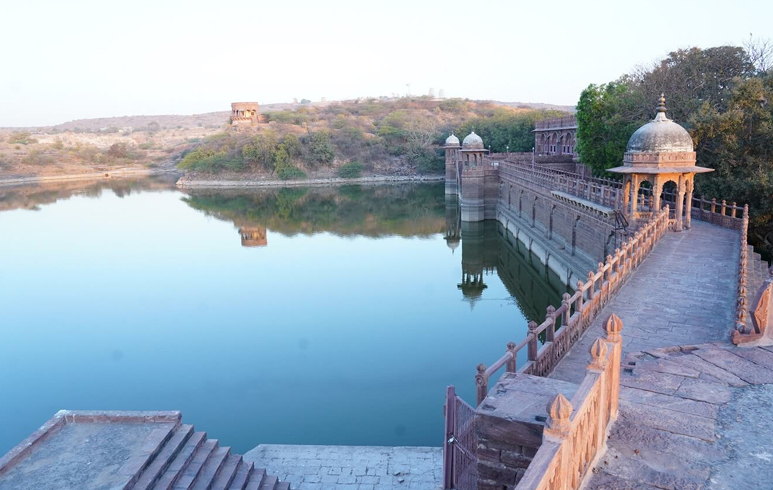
(452, 148)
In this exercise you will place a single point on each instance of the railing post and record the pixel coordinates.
(613, 326)
(550, 332)
(567, 311)
(533, 346)
(579, 305)
(511, 364)
(734, 210)
(449, 412)
(481, 383)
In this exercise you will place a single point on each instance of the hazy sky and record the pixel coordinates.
(64, 60)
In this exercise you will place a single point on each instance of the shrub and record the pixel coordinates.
(320, 149)
(22, 138)
(350, 170)
(290, 173)
(36, 157)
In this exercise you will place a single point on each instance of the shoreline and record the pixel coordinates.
(323, 182)
(140, 172)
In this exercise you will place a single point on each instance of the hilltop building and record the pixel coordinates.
(246, 114)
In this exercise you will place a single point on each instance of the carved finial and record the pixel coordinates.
(511, 346)
(598, 353)
(559, 411)
(613, 326)
(533, 326)
(565, 298)
(662, 103)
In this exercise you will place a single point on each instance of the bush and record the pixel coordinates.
(290, 173)
(350, 170)
(22, 138)
(36, 157)
(320, 149)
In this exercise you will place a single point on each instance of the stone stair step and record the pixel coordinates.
(164, 458)
(256, 479)
(269, 483)
(282, 485)
(211, 468)
(243, 472)
(180, 462)
(227, 472)
(185, 481)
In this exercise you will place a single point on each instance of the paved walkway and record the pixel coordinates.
(682, 293)
(352, 467)
(692, 418)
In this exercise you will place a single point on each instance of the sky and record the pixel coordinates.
(77, 59)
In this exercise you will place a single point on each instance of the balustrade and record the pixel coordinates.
(565, 324)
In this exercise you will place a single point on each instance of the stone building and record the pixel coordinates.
(659, 153)
(246, 114)
(555, 140)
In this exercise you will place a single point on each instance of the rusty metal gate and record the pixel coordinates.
(460, 464)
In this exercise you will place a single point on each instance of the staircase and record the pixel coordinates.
(190, 461)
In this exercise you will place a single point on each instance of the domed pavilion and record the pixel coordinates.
(659, 152)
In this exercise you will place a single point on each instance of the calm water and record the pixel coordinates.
(335, 316)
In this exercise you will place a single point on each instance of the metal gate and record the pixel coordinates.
(460, 464)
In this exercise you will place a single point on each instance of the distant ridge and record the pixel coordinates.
(218, 118)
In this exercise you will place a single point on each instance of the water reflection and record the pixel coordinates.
(370, 301)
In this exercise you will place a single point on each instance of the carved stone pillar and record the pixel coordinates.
(656, 195)
(626, 193)
(688, 204)
(679, 204)
(635, 197)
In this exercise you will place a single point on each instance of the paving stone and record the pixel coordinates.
(711, 371)
(674, 403)
(652, 381)
(353, 467)
(737, 365)
(696, 389)
(669, 420)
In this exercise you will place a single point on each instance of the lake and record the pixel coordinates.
(295, 316)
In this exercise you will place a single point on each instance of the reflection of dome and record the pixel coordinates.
(659, 135)
(452, 243)
(472, 142)
(452, 140)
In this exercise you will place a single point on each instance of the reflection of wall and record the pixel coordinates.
(253, 236)
(487, 248)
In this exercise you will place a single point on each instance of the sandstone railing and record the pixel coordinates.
(743, 326)
(576, 430)
(577, 311)
(605, 192)
(556, 122)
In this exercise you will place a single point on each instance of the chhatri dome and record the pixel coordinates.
(452, 140)
(472, 142)
(660, 153)
(660, 135)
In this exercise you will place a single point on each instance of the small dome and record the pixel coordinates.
(452, 140)
(660, 135)
(472, 142)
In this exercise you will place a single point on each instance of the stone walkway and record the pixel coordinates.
(352, 467)
(683, 293)
(692, 418)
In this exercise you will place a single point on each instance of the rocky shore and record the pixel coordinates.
(185, 182)
(38, 179)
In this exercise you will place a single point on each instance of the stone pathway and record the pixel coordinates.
(352, 467)
(692, 418)
(683, 293)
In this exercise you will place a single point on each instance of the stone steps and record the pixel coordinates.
(188, 460)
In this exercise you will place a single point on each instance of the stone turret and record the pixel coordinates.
(453, 159)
